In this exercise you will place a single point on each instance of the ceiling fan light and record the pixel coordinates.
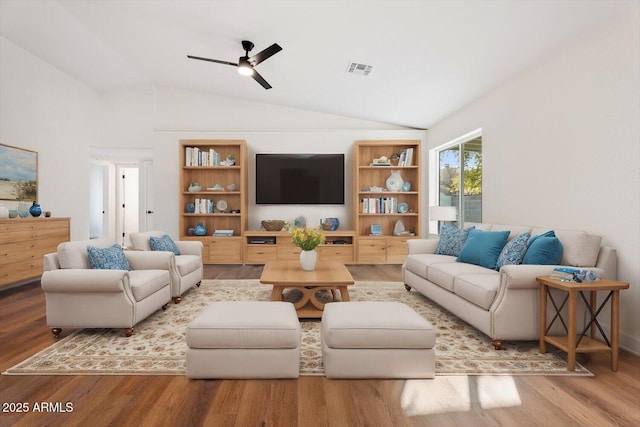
(244, 67)
(245, 70)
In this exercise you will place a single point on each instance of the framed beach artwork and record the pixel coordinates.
(18, 173)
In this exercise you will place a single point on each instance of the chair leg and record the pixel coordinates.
(56, 332)
(407, 287)
(497, 344)
(128, 332)
(198, 284)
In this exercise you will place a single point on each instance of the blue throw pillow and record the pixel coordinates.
(483, 248)
(544, 249)
(164, 243)
(452, 240)
(108, 258)
(513, 252)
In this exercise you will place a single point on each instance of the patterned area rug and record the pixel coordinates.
(158, 345)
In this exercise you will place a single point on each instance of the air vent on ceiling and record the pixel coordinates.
(359, 69)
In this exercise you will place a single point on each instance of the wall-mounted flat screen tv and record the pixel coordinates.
(300, 179)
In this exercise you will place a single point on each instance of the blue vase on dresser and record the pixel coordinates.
(35, 209)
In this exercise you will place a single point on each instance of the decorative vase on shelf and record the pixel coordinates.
(394, 182)
(308, 260)
(200, 229)
(4, 212)
(35, 209)
(191, 207)
(23, 209)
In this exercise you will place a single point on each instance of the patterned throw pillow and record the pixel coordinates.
(108, 258)
(513, 252)
(452, 240)
(164, 243)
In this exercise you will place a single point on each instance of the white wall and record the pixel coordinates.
(45, 110)
(561, 148)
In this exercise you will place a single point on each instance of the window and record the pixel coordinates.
(458, 177)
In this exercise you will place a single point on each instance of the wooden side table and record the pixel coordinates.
(573, 343)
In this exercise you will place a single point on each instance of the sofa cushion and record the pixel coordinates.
(146, 282)
(452, 240)
(483, 247)
(443, 274)
(513, 252)
(75, 255)
(580, 249)
(480, 289)
(187, 264)
(111, 258)
(164, 243)
(142, 240)
(543, 250)
(419, 263)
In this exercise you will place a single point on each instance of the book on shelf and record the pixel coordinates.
(373, 205)
(406, 157)
(194, 156)
(223, 233)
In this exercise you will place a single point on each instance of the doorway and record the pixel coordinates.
(121, 194)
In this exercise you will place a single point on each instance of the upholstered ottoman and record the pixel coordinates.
(244, 339)
(376, 340)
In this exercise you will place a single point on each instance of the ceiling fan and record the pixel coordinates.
(245, 64)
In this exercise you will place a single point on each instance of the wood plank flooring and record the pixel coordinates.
(608, 398)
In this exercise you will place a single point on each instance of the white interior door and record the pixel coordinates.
(127, 202)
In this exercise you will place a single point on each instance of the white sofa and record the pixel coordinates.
(78, 296)
(502, 304)
(186, 269)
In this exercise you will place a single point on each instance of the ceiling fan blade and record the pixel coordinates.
(212, 60)
(257, 77)
(265, 54)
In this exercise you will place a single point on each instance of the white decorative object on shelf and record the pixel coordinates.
(394, 182)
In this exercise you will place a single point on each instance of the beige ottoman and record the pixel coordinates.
(376, 340)
(244, 339)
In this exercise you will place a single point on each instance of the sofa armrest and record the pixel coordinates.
(523, 276)
(190, 247)
(150, 260)
(50, 262)
(71, 280)
(422, 246)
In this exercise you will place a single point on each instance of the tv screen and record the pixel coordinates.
(299, 179)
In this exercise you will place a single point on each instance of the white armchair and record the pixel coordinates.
(186, 269)
(78, 296)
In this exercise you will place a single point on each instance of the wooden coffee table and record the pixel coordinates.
(331, 276)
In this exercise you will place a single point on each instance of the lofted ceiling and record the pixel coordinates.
(429, 58)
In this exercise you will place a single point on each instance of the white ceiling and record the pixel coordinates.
(429, 58)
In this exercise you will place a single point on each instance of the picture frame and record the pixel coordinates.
(18, 173)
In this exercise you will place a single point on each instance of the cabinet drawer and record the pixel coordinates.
(370, 250)
(342, 254)
(21, 270)
(288, 252)
(225, 250)
(397, 250)
(259, 254)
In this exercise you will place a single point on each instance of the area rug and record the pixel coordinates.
(158, 345)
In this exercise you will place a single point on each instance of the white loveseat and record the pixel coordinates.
(502, 304)
(78, 296)
(186, 268)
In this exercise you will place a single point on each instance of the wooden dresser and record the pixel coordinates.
(23, 243)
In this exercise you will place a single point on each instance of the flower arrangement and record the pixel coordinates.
(307, 240)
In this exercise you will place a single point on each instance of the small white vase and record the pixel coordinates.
(394, 182)
(4, 212)
(308, 260)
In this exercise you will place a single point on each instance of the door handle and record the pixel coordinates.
(149, 212)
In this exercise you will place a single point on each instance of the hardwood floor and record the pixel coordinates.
(608, 398)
